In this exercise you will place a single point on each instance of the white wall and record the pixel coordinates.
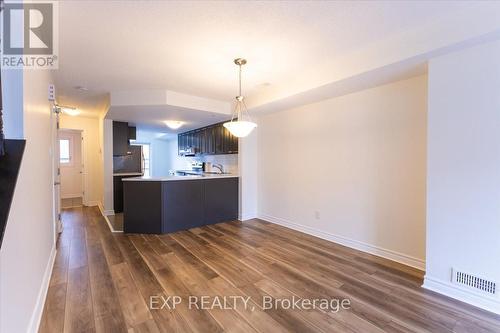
(28, 246)
(159, 149)
(248, 165)
(351, 169)
(92, 152)
(107, 166)
(12, 92)
(463, 183)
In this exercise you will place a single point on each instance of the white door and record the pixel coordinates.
(56, 172)
(70, 146)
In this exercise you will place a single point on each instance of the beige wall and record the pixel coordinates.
(351, 169)
(92, 155)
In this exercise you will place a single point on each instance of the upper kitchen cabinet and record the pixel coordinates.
(198, 141)
(132, 133)
(230, 142)
(211, 140)
(219, 140)
(122, 133)
(120, 138)
(182, 142)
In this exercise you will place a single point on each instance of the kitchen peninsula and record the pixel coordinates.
(169, 204)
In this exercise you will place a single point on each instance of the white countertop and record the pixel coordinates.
(174, 178)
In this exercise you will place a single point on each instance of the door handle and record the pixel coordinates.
(57, 183)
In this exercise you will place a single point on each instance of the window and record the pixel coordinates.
(146, 154)
(64, 151)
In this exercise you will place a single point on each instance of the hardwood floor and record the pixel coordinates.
(103, 282)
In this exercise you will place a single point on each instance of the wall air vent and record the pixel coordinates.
(474, 282)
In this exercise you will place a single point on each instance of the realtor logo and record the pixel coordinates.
(28, 35)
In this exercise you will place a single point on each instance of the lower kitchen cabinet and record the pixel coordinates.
(142, 213)
(118, 192)
(183, 205)
(220, 199)
(152, 206)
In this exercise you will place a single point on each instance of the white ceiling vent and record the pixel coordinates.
(474, 282)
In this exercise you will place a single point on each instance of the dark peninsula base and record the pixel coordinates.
(169, 205)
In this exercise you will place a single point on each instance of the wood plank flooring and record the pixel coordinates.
(103, 282)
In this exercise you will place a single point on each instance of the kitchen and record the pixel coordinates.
(197, 185)
(175, 159)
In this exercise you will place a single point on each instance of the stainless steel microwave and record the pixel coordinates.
(190, 151)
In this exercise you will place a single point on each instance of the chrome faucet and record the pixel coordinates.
(218, 166)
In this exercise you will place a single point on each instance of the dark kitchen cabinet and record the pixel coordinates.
(190, 140)
(230, 142)
(198, 141)
(211, 140)
(120, 138)
(132, 133)
(118, 192)
(221, 200)
(219, 140)
(122, 133)
(143, 207)
(182, 142)
(169, 206)
(183, 204)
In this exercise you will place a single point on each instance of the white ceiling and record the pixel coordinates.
(150, 118)
(188, 46)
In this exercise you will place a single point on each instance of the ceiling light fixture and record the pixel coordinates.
(240, 126)
(69, 110)
(173, 124)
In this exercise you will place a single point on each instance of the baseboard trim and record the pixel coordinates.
(111, 227)
(105, 214)
(461, 294)
(352, 243)
(248, 216)
(36, 317)
(101, 208)
(72, 196)
(67, 207)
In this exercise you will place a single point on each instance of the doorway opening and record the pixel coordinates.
(70, 143)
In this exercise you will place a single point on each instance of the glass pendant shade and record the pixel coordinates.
(240, 129)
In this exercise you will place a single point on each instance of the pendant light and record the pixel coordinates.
(241, 124)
